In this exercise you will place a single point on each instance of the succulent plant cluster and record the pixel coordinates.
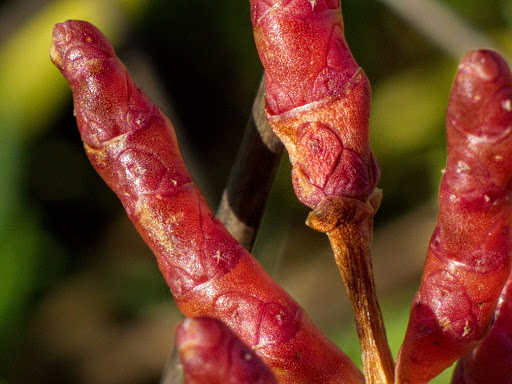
(318, 104)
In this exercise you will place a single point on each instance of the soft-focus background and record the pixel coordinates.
(81, 298)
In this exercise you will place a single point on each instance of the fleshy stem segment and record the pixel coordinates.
(491, 361)
(245, 195)
(469, 257)
(132, 145)
(212, 354)
(318, 103)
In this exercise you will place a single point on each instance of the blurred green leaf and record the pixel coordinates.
(409, 108)
(19, 263)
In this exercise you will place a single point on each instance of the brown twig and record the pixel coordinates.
(244, 198)
(349, 226)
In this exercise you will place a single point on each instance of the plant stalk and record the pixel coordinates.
(349, 225)
(245, 197)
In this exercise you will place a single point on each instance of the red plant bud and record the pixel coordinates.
(212, 354)
(318, 99)
(469, 257)
(132, 145)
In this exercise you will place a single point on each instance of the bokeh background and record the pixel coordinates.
(81, 298)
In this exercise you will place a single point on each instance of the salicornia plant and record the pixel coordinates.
(317, 101)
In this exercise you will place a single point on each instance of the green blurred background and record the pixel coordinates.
(81, 298)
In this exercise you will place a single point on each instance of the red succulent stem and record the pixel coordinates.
(469, 257)
(245, 196)
(318, 103)
(303, 49)
(318, 99)
(212, 354)
(132, 145)
(491, 361)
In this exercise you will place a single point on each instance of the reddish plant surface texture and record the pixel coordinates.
(317, 101)
(133, 147)
(468, 260)
(490, 362)
(211, 353)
